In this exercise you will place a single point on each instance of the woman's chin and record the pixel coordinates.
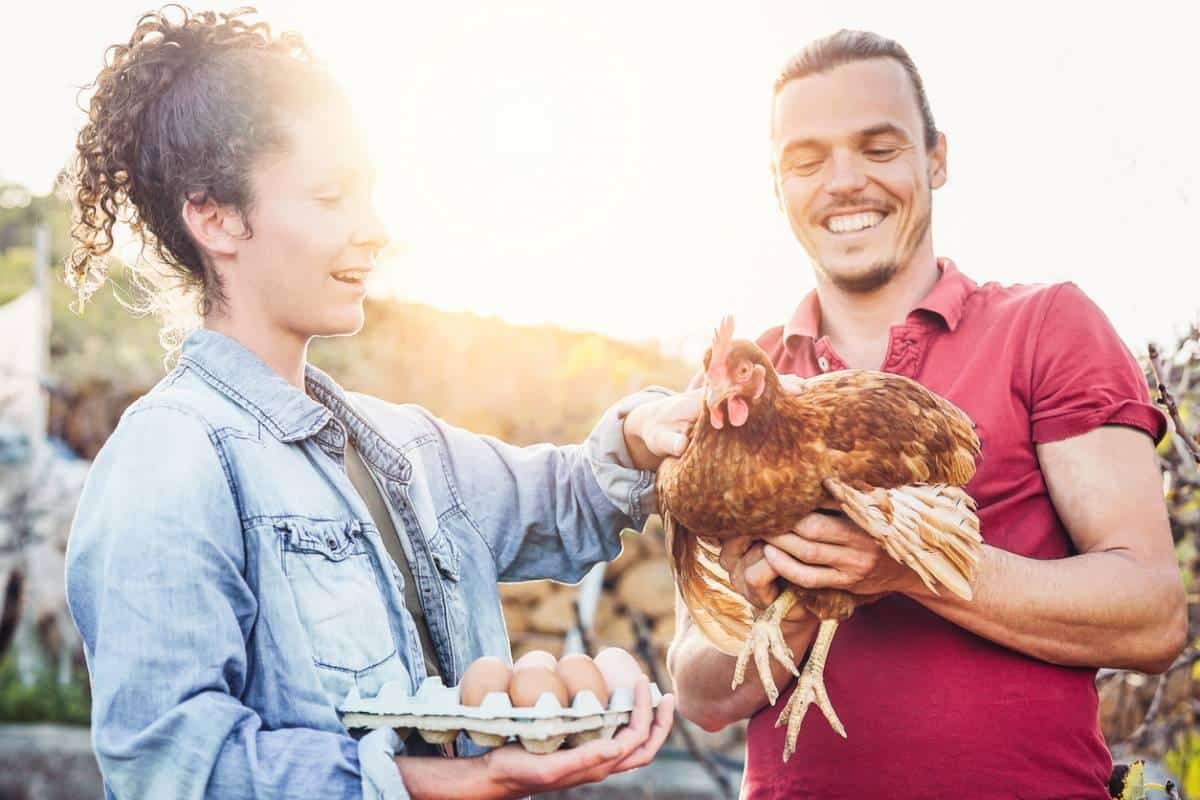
(343, 322)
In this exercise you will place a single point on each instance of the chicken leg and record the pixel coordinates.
(765, 640)
(811, 689)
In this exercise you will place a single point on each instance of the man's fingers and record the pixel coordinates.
(732, 551)
(804, 575)
(831, 529)
(758, 581)
(812, 552)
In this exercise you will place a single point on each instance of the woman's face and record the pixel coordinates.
(315, 233)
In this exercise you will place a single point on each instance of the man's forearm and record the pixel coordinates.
(1100, 609)
(702, 674)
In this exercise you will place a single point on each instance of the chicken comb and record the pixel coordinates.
(722, 340)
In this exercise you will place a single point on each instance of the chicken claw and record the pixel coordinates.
(766, 639)
(811, 689)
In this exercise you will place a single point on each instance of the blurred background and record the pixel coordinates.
(576, 193)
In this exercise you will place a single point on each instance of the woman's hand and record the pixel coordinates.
(512, 772)
(660, 428)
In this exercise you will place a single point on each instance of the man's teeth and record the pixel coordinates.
(846, 223)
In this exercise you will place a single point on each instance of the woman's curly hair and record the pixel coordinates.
(180, 113)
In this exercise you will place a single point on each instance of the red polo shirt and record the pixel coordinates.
(932, 710)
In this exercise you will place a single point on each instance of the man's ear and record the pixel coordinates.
(937, 163)
(775, 186)
(215, 228)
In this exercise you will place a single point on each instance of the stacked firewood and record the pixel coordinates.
(637, 584)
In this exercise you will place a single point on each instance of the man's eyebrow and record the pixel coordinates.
(882, 129)
(799, 144)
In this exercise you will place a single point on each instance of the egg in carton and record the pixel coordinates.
(438, 714)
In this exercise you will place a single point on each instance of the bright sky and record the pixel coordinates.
(604, 165)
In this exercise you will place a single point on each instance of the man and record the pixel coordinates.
(992, 698)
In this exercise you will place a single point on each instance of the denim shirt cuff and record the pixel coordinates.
(631, 490)
(380, 778)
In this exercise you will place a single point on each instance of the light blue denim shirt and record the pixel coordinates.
(231, 588)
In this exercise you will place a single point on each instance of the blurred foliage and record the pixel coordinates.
(1157, 717)
(44, 700)
(523, 384)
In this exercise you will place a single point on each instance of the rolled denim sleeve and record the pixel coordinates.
(546, 511)
(630, 489)
(156, 584)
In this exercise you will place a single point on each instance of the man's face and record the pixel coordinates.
(852, 171)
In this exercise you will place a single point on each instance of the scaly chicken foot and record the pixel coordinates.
(811, 689)
(765, 640)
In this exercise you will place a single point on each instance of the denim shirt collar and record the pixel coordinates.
(233, 369)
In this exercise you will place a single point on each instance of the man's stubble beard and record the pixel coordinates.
(879, 274)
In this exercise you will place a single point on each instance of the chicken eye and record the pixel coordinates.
(743, 372)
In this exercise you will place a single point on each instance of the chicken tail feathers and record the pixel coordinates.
(931, 528)
(721, 614)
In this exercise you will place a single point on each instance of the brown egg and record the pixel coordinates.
(531, 682)
(484, 676)
(619, 668)
(578, 672)
(536, 658)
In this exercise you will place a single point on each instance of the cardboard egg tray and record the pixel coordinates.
(436, 712)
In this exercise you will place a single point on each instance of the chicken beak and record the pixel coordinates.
(714, 396)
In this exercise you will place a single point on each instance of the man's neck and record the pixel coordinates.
(858, 325)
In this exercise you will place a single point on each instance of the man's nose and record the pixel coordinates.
(846, 175)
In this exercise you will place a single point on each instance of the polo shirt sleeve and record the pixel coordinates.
(1083, 376)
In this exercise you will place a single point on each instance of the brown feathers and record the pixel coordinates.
(850, 438)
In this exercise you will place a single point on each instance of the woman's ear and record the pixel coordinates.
(215, 228)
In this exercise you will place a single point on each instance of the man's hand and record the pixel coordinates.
(753, 577)
(828, 551)
(660, 428)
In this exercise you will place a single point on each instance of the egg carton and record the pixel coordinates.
(437, 713)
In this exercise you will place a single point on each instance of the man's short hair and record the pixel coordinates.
(845, 47)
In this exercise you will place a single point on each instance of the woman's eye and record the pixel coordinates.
(330, 199)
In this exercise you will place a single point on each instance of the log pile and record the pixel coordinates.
(540, 613)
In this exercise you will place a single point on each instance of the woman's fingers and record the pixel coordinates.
(664, 719)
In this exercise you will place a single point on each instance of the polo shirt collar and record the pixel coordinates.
(946, 299)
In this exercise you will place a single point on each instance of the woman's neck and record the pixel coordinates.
(285, 353)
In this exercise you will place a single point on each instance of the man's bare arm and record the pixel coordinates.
(1118, 603)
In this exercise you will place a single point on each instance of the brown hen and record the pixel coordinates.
(889, 453)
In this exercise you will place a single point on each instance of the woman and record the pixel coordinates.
(253, 541)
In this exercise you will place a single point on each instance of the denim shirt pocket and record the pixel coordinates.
(337, 592)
